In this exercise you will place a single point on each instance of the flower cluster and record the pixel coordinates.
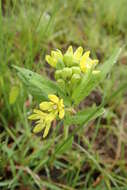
(71, 66)
(70, 59)
(49, 110)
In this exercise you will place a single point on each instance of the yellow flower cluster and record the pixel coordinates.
(71, 59)
(71, 66)
(47, 113)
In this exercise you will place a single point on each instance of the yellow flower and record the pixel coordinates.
(86, 62)
(54, 57)
(47, 113)
(43, 121)
(77, 54)
(72, 58)
(55, 105)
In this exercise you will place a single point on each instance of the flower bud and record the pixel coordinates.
(60, 64)
(75, 79)
(66, 73)
(76, 70)
(58, 74)
(68, 60)
(61, 83)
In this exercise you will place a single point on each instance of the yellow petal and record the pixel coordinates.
(69, 50)
(50, 117)
(83, 61)
(85, 56)
(61, 113)
(34, 117)
(59, 53)
(41, 120)
(46, 131)
(51, 61)
(83, 67)
(46, 106)
(53, 98)
(48, 58)
(39, 112)
(53, 53)
(38, 128)
(78, 52)
(61, 104)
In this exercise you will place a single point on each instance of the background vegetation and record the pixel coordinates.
(97, 158)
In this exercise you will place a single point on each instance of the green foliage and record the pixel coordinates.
(70, 158)
(66, 147)
(82, 115)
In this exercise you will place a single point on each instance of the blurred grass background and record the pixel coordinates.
(97, 158)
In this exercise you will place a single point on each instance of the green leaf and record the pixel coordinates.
(39, 85)
(106, 67)
(90, 81)
(13, 94)
(81, 116)
(65, 147)
(104, 187)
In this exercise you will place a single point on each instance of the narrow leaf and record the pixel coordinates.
(13, 94)
(66, 146)
(81, 116)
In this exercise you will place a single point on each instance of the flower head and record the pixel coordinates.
(71, 66)
(55, 106)
(54, 58)
(77, 54)
(72, 58)
(43, 121)
(47, 113)
(86, 63)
